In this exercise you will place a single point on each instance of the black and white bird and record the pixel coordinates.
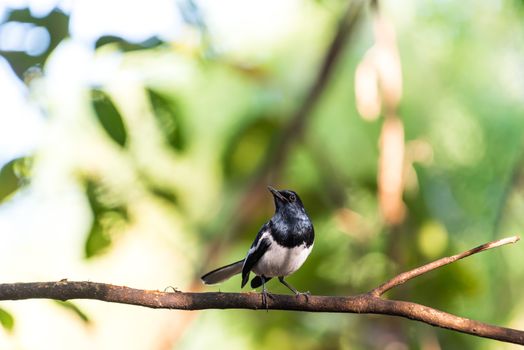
(280, 247)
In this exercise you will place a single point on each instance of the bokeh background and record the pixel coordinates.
(137, 139)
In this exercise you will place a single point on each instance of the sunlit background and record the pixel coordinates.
(137, 138)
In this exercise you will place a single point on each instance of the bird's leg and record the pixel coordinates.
(265, 293)
(291, 288)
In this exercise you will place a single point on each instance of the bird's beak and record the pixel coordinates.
(277, 194)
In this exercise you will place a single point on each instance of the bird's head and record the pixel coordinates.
(286, 201)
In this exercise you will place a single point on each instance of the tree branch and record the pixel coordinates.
(369, 303)
(406, 276)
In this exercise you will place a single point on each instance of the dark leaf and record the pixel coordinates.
(109, 117)
(97, 240)
(75, 309)
(56, 23)
(127, 46)
(13, 176)
(165, 194)
(169, 119)
(108, 218)
(7, 320)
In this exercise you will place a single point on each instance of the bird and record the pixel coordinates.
(280, 248)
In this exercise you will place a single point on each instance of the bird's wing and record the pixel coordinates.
(258, 248)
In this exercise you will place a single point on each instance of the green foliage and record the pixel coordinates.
(249, 146)
(108, 219)
(126, 46)
(169, 119)
(98, 240)
(165, 194)
(7, 320)
(72, 307)
(109, 117)
(13, 176)
(55, 23)
(216, 119)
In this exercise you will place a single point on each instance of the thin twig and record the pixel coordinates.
(370, 303)
(406, 276)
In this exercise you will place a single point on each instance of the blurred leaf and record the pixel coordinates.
(74, 309)
(108, 217)
(97, 240)
(109, 117)
(13, 175)
(248, 147)
(168, 118)
(7, 320)
(432, 239)
(165, 194)
(56, 24)
(127, 46)
(9, 182)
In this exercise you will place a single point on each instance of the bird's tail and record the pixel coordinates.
(223, 273)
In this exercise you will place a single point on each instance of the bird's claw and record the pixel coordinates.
(306, 294)
(174, 289)
(265, 295)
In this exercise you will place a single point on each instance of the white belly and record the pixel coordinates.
(280, 261)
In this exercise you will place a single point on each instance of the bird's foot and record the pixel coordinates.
(265, 295)
(305, 294)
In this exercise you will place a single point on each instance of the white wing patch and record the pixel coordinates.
(255, 247)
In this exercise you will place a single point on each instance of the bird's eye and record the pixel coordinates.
(292, 198)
